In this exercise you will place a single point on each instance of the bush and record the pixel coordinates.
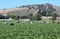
(12, 24)
(11, 16)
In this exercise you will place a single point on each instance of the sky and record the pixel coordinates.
(16, 3)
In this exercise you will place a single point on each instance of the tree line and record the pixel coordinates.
(38, 16)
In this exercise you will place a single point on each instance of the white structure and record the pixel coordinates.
(46, 18)
(10, 19)
(58, 19)
(24, 20)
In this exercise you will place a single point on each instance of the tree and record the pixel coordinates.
(24, 17)
(17, 17)
(31, 16)
(12, 16)
(38, 16)
(43, 13)
(54, 16)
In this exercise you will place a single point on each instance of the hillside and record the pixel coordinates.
(57, 9)
(28, 9)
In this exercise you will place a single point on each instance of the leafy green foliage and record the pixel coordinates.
(11, 16)
(17, 17)
(30, 31)
(38, 16)
(54, 16)
(31, 16)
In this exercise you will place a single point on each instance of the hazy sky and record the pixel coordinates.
(14, 3)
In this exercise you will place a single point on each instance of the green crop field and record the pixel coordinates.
(27, 30)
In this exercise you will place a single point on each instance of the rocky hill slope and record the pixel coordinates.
(28, 9)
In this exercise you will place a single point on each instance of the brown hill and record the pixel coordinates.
(28, 9)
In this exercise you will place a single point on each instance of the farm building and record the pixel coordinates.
(58, 19)
(46, 18)
(24, 20)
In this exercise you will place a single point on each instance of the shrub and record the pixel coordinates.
(12, 24)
